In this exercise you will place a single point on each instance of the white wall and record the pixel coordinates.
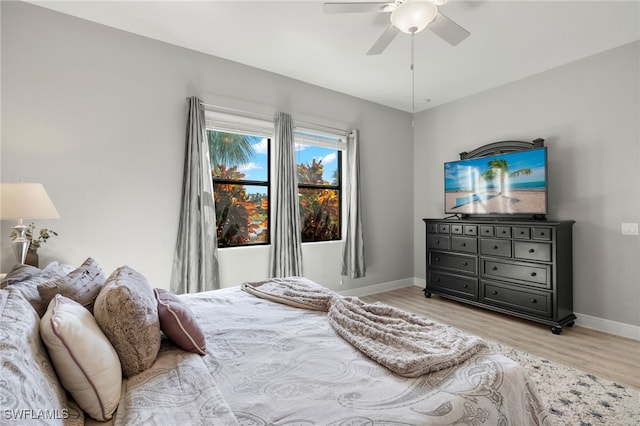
(99, 115)
(588, 113)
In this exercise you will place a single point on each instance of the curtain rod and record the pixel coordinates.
(270, 117)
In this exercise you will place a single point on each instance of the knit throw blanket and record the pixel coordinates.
(405, 343)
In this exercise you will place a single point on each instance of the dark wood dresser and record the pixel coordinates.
(521, 268)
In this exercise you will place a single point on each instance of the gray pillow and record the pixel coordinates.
(81, 285)
(28, 380)
(127, 312)
(28, 284)
(19, 273)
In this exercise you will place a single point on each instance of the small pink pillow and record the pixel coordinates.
(177, 322)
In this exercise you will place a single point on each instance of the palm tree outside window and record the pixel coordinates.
(319, 168)
(240, 173)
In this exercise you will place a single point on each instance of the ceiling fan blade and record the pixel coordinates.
(387, 36)
(448, 30)
(357, 7)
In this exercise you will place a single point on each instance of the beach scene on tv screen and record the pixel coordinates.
(513, 183)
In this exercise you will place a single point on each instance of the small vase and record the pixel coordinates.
(32, 258)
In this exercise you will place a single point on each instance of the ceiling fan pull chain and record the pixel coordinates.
(413, 75)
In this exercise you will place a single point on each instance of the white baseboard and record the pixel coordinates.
(587, 321)
(612, 327)
(378, 288)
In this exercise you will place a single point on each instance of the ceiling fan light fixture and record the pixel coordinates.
(413, 16)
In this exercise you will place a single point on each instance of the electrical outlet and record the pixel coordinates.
(629, 229)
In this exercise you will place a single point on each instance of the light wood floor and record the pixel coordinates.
(605, 355)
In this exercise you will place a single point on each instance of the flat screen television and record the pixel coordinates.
(513, 183)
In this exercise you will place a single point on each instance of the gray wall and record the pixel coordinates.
(588, 113)
(98, 116)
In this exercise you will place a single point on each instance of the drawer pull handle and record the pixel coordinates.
(436, 259)
(532, 251)
(495, 268)
(504, 232)
(437, 280)
(463, 244)
(521, 232)
(495, 292)
(542, 233)
(465, 264)
(534, 301)
(533, 274)
(437, 241)
(495, 247)
(465, 286)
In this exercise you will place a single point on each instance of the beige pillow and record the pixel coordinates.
(85, 361)
(127, 312)
(81, 285)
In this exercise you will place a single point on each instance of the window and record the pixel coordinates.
(240, 173)
(239, 151)
(319, 167)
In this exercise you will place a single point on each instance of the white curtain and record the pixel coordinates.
(195, 261)
(286, 244)
(353, 264)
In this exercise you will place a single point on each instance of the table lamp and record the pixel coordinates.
(19, 201)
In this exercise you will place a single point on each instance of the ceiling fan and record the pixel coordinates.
(407, 16)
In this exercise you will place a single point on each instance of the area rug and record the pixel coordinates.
(575, 397)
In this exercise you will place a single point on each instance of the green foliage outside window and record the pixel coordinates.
(242, 204)
(241, 191)
(319, 203)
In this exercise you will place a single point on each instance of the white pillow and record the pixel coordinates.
(86, 363)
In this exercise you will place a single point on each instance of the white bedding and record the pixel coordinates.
(271, 364)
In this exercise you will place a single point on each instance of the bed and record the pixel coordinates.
(270, 363)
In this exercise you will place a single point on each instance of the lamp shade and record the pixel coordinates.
(413, 16)
(26, 201)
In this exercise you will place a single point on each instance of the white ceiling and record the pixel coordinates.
(509, 40)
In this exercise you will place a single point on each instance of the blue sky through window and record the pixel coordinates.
(258, 168)
(329, 156)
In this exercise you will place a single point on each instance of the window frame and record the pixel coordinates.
(312, 137)
(227, 123)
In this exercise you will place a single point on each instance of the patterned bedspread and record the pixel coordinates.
(272, 364)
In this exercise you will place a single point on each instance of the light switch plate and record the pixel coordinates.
(629, 229)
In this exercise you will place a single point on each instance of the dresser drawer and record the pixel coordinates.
(541, 234)
(495, 247)
(443, 228)
(503, 231)
(455, 285)
(532, 251)
(522, 232)
(456, 229)
(470, 230)
(465, 244)
(432, 228)
(518, 299)
(452, 261)
(439, 242)
(525, 273)
(486, 231)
